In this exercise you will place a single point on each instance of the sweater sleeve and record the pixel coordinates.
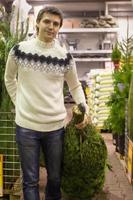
(10, 77)
(74, 85)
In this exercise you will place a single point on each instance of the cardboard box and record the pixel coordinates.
(130, 161)
(1, 175)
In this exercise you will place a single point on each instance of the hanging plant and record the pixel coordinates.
(116, 56)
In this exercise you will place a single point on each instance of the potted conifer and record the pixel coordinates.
(85, 160)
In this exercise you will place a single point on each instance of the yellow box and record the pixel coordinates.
(130, 161)
(1, 175)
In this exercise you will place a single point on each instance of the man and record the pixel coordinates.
(41, 65)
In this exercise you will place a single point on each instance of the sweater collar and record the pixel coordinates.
(45, 44)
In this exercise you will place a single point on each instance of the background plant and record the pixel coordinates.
(7, 125)
(7, 41)
(122, 78)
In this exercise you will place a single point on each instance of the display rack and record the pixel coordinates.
(93, 54)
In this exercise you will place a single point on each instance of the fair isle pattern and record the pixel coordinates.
(41, 63)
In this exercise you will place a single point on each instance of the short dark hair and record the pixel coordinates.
(52, 10)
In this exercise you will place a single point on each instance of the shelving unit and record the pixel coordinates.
(92, 54)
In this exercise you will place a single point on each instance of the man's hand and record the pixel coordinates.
(83, 124)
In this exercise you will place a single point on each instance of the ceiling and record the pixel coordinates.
(38, 2)
(84, 5)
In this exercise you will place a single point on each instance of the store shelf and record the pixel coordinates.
(88, 30)
(84, 53)
(96, 51)
(92, 59)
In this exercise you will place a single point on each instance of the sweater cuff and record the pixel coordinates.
(79, 97)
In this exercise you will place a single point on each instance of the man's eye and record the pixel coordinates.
(56, 24)
(47, 21)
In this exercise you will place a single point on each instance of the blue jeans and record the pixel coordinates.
(29, 144)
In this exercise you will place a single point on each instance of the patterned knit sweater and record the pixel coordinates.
(34, 77)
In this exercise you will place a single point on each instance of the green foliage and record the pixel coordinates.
(85, 157)
(6, 43)
(116, 119)
(126, 47)
(122, 78)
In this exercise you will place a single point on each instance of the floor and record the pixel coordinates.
(117, 186)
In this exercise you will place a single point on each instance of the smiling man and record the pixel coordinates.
(34, 78)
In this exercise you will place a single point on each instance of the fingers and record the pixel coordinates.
(87, 120)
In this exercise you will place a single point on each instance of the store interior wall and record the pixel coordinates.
(125, 25)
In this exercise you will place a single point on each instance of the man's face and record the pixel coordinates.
(48, 27)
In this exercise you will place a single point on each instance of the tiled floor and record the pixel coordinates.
(117, 186)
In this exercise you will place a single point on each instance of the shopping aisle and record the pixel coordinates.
(117, 186)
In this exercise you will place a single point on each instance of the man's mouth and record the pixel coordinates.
(50, 33)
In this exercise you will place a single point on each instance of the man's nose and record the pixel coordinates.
(51, 25)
